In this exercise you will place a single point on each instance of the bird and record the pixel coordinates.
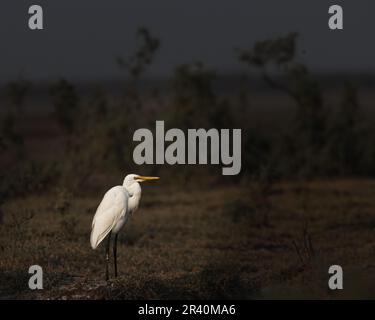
(117, 206)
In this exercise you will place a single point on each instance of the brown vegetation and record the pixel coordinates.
(303, 201)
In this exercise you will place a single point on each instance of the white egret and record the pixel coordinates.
(118, 204)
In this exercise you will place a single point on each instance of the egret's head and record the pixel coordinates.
(132, 178)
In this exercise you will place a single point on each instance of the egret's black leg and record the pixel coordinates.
(115, 253)
(107, 256)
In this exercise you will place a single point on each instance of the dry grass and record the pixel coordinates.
(194, 244)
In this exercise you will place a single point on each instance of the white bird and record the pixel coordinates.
(118, 204)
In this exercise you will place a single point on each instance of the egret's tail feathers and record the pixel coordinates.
(97, 237)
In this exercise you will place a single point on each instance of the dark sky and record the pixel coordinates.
(82, 37)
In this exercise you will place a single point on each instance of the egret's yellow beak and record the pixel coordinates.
(145, 178)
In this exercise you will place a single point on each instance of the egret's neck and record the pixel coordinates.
(135, 192)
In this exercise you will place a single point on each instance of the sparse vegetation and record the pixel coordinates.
(302, 201)
(186, 245)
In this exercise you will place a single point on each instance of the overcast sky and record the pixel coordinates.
(82, 37)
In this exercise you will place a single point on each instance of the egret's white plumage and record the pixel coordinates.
(118, 204)
(112, 210)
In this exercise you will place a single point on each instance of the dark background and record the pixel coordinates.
(81, 38)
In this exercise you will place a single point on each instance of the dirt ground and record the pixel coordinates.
(215, 242)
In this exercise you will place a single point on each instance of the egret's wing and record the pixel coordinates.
(110, 210)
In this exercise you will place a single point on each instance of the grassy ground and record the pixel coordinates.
(214, 242)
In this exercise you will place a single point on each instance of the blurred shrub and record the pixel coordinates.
(143, 56)
(103, 128)
(256, 151)
(305, 141)
(98, 130)
(27, 177)
(193, 103)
